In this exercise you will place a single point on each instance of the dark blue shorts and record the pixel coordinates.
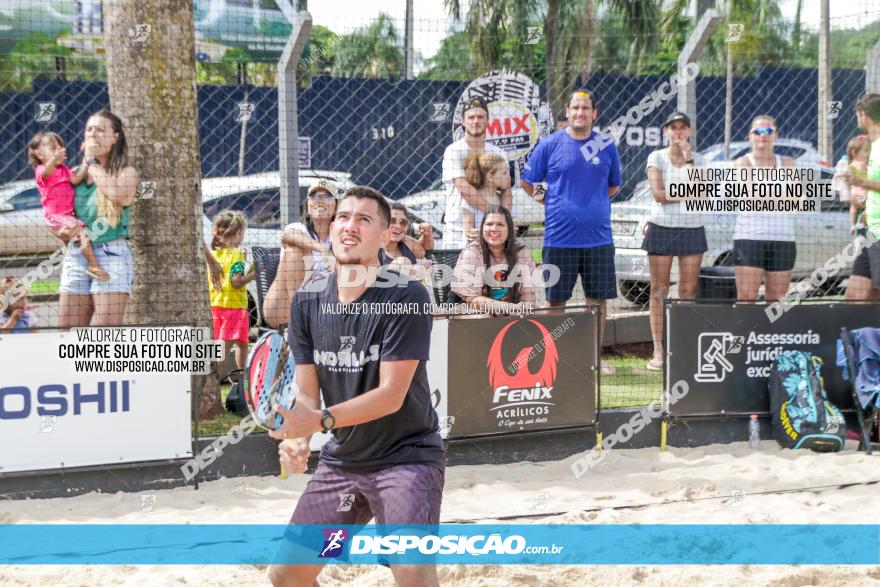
(595, 265)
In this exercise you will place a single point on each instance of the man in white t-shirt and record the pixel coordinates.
(458, 191)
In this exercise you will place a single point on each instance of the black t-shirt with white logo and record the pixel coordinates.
(347, 343)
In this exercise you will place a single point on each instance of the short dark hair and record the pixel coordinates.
(870, 105)
(399, 206)
(585, 94)
(364, 192)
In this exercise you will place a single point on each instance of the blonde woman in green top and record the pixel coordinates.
(103, 202)
(863, 287)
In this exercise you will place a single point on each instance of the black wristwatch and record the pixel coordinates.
(327, 421)
(689, 162)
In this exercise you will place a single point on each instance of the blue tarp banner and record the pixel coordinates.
(442, 544)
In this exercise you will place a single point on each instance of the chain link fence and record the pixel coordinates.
(391, 134)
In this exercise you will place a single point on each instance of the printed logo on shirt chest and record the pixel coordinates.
(347, 359)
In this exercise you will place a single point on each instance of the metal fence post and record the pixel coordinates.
(872, 69)
(288, 130)
(687, 90)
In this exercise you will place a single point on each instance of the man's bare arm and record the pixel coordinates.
(471, 194)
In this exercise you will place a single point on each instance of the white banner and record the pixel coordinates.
(54, 416)
(438, 368)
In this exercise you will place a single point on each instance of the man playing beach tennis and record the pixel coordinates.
(353, 342)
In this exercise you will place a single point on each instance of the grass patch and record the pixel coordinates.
(220, 424)
(45, 286)
(633, 385)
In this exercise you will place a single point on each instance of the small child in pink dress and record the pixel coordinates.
(55, 183)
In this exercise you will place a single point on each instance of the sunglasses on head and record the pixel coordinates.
(320, 195)
(400, 221)
(763, 131)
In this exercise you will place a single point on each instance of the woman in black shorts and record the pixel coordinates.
(669, 233)
(763, 242)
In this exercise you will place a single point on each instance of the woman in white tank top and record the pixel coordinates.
(763, 242)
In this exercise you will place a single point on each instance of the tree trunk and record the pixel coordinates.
(591, 31)
(567, 59)
(550, 70)
(633, 62)
(796, 36)
(151, 80)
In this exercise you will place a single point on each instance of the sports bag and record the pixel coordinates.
(802, 416)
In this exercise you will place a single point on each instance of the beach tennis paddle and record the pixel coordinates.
(270, 381)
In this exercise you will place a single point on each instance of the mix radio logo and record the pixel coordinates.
(517, 382)
(518, 118)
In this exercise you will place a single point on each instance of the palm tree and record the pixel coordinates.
(640, 21)
(152, 88)
(372, 52)
(569, 30)
(491, 22)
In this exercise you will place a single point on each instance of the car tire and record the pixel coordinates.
(635, 292)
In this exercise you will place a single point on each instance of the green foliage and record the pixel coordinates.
(35, 57)
(371, 52)
(452, 61)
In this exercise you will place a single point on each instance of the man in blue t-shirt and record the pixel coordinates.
(363, 347)
(582, 170)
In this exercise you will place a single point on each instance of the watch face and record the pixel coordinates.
(327, 421)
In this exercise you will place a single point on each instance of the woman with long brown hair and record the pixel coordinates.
(103, 203)
(495, 273)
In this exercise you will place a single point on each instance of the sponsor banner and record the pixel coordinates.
(519, 375)
(56, 415)
(518, 118)
(475, 544)
(438, 374)
(726, 352)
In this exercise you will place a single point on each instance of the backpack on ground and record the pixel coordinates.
(235, 400)
(802, 416)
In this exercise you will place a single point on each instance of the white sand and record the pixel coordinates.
(483, 493)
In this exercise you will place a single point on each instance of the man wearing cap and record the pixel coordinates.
(305, 250)
(670, 233)
(460, 193)
(577, 224)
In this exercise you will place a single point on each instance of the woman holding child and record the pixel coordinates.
(102, 202)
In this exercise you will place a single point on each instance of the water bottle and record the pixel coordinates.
(754, 432)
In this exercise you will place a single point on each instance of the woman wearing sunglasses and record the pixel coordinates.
(763, 242)
(402, 246)
(305, 250)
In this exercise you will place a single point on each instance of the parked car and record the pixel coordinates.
(430, 204)
(818, 235)
(23, 230)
